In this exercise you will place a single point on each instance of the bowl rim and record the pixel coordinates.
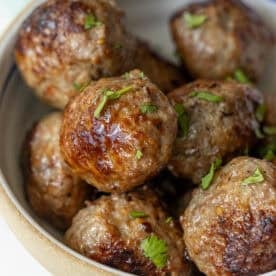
(18, 218)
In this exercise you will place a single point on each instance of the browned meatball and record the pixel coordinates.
(220, 126)
(109, 232)
(117, 142)
(53, 191)
(230, 229)
(65, 44)
(226, 36)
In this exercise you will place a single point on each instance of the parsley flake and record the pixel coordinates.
(148, 108)
(90, 21)
(259, 133)
(168, 220)
(240, 76)
(270, 130)
(110, 95)
(183, 120)
(143, 76)
(137, 214)
(270, 155)
(194, 20)
(139, 154)
(207, 96)
(126, 76)
(260, 112)
(206, 181)
(118, 46)
(256, 177)
(80, 86)
(156, 250)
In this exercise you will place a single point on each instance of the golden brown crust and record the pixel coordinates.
(52, 190)
(104, 231)
(233, 37)
(54, 50)
(216, 130)
(103, 150)
(230, 229)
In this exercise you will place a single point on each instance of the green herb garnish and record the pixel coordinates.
(207, 96)
(259, 133)
(148, 108)
(137, 214)
(256, 177)
(240, 76)
(260, 112)
(156, 250)
(183, 120)
(90, 22)
(194, 20)
(206, 181)
(168, 220)
(80, 86)
(110, 95)
(139, 154)
(126, 76)
(118, 46)
(269, 130)
(143, 76)
(270, 155)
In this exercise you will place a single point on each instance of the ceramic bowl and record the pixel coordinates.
(19, 109)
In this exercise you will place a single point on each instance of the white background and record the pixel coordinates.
(14, 259)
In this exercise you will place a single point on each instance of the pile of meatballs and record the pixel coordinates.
(146, 166)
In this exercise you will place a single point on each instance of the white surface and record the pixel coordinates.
(14, 259)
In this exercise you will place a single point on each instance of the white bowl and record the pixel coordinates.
(19, 109)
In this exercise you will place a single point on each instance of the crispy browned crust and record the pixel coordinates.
(216, 130)
(105, 232)
(54, 193)
(233, 37)
(103, 150)
(230, 229)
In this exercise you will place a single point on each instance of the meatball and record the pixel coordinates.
(54, 192)
(222, 124)
(112, 231)
(230, 229)
(65, 44)
(119, 132)
(217, 38)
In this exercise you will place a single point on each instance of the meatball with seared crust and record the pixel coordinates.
(216, 121)
(230, 229)
(65, 44)
(54, 192)
(130, 232)
(119, 132)
(218, 38)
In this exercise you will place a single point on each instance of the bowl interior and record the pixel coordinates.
(19, 108)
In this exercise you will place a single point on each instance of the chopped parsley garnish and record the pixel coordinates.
(137, 214)
(256, 177)
(259, 133)
(156, 250)
(240, 76)
(118, 46)
(183, 120)
(126, 76)
(194, 20)
(143, 76)
(207, 96)
(206, 181)
(260, 112)
(267, 151)
(270, 155)
(269, 130)
(148, 108)
(90, 21)
(139, 154)
(168, 220)
(80, 86)
(110, 95)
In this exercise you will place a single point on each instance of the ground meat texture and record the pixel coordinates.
(232, 37)
(66, 44)
(270, 104)
(230, 229)
(106, 232)
(59, 52)
(161, 72)
(53, 191)
(217, 130)
(123, 147)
